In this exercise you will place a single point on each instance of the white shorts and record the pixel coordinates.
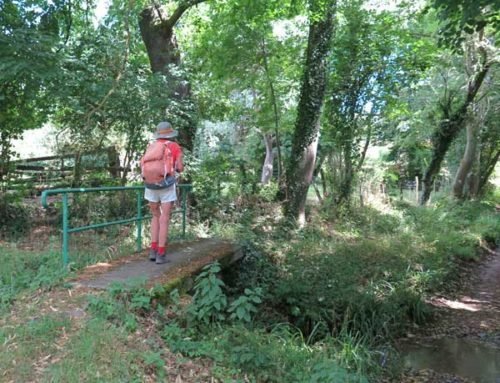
(163, 195)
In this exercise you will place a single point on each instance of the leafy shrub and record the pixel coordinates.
(254, 270)
(88, 208)
(279, 356)
(209, 301)
(243, 307)
(269, 192)
(14, 216)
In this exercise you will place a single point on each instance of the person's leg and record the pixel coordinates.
(154, 207)
(166, 207)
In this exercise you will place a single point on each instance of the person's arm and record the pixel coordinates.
(179, 165)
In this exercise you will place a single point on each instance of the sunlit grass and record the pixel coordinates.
(99, 352)
(28, 348)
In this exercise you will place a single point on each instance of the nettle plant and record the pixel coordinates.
(210, 303)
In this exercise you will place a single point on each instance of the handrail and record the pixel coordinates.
(138, 218)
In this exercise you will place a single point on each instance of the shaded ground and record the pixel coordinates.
(50, 333)
(466, 329)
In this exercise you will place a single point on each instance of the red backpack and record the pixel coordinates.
(157, 165)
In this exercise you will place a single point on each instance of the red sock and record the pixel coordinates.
(161, 251)
(154, 245)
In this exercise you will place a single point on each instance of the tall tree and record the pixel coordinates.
(367, 65)
(30, 33)
(462, 18)
(157, 30)
(454, 116)
(482, 148)
(305, 139)
(246, 71)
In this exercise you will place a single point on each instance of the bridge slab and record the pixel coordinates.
(186, 259)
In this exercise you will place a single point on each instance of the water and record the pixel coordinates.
(459, 357)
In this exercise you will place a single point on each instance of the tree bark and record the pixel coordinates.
(305, 139)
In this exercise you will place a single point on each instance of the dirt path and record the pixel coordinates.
(463, 343)
(475, 312)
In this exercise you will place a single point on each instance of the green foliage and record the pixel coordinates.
(364, 84)
(373, 284)
(155, 361)
(456, 229)
(29, 61)
(243, 307)
(23, 270)
(279, 356)
(122, 304)
(209, 301)
(14, 216)
(350, 288)
(90, 208)
(460, 17)
(268, 192)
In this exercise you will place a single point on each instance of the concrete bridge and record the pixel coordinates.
(186, 259)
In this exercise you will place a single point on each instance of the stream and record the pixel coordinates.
(465, 341)
(461, 357)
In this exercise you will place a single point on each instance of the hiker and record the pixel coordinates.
(159, 165)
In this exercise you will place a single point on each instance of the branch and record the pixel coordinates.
(183, 7)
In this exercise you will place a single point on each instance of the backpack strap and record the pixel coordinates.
(166, 143)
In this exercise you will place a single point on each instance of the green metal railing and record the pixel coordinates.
(67, 230)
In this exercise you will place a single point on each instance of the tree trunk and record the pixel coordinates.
(464, 170)
(157, 31)
(113, 162)
(267, 168)
(453, 123)
(473, 178)
(305, 139)
(274, 102)
(345, 187)
(158, 36)
(486, 171)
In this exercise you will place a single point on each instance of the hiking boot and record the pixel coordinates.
(152, 255)
(160, 259)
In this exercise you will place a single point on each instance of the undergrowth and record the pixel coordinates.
(319, 304)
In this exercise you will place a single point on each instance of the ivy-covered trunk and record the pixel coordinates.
(454, 121)
(305, 139)
(157, 31)
(441, 141)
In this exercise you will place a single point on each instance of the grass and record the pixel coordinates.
(333, 295)
(25, 270)
(280, 355)
(26, 348)
(99, 352)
